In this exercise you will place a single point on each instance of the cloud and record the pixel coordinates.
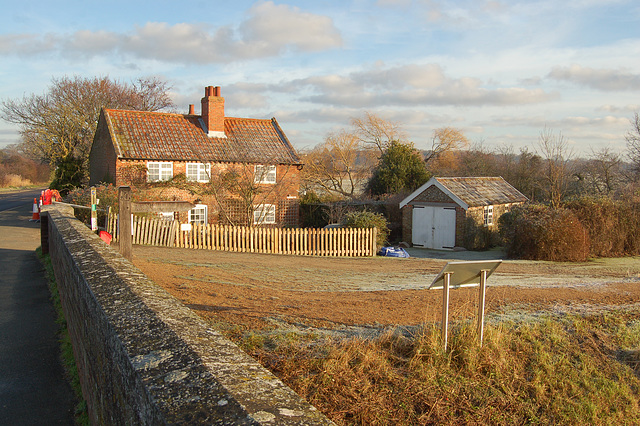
(274, 26)
(599, 79)
(411, 85)
(630, 108)
(269, 30)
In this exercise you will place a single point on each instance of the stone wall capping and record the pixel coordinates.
(143, 357)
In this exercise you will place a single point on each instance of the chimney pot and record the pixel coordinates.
(192, 109)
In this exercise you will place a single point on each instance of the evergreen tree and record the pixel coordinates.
(400, 169)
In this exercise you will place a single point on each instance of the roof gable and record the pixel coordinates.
(472, 191)
(141, 135)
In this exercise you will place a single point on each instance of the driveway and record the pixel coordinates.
(33, 388)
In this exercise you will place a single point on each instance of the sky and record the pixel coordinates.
(502, 72)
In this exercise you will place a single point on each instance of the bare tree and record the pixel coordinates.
(61, 123)
(556, 155)
(633, 146)
(602, 172)
(373, 131)
(445, 144)
(341, 166)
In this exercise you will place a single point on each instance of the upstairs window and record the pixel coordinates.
(198, 172)
(265, 174)
(264, 214)
(488, 215)
(198, 214)
(157, 171)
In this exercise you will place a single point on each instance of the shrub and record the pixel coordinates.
(368, 219)
(107, 194)
(12, 180)
(539, 232)
(312, 212)
(613, 226)
(600, 217)
(477, 237)
(68, 175)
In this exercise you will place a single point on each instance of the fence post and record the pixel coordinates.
(124, 200)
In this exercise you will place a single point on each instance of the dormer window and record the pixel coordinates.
(264, 174)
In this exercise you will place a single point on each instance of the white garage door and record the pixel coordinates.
(434, 227)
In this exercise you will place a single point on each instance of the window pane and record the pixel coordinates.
(154, 172)
(198, 172)
(166, 171)
(265, 174)
(159, 171)
(192, 172)
(264, 213)
(198, 215)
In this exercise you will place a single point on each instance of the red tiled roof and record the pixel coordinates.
(141, 135)
(482, 191)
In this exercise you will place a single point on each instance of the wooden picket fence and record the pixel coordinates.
(335, 242)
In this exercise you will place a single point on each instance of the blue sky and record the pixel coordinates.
(500, 71)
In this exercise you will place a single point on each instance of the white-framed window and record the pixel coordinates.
(264, 174)
(158, 171)
(198, 172)
(198, 214)
(488, 215)
(264, 214)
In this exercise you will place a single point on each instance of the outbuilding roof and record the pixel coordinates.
(141, 135)
(472, 191)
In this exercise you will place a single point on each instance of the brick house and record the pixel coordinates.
(237, 170)
(434, 215)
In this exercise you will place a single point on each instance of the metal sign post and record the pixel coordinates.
(481, 299)
(445, 308)
(464, 274)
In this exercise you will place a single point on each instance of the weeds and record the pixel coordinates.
(578, 370)
(66, 349)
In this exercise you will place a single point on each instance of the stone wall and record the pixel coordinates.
(143, 357)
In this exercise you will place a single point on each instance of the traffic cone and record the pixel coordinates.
(36, 212)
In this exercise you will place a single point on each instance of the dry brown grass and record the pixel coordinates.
(569, 371)
(14, 181)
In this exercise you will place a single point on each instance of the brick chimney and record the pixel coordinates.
(213, 112)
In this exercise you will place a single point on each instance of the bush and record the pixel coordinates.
(68, 175)
(312, 211)
(539, 232)
(613, 226)
(107, 196)
(368, 219)
(478, 237)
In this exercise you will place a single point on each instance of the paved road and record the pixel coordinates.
(33, 390)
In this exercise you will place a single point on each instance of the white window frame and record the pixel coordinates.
(488, 215)
(264, 214)
(199, 214)
(264, 174)
(198, 172)
(164, 171)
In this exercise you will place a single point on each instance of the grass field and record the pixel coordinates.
(575, 370)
